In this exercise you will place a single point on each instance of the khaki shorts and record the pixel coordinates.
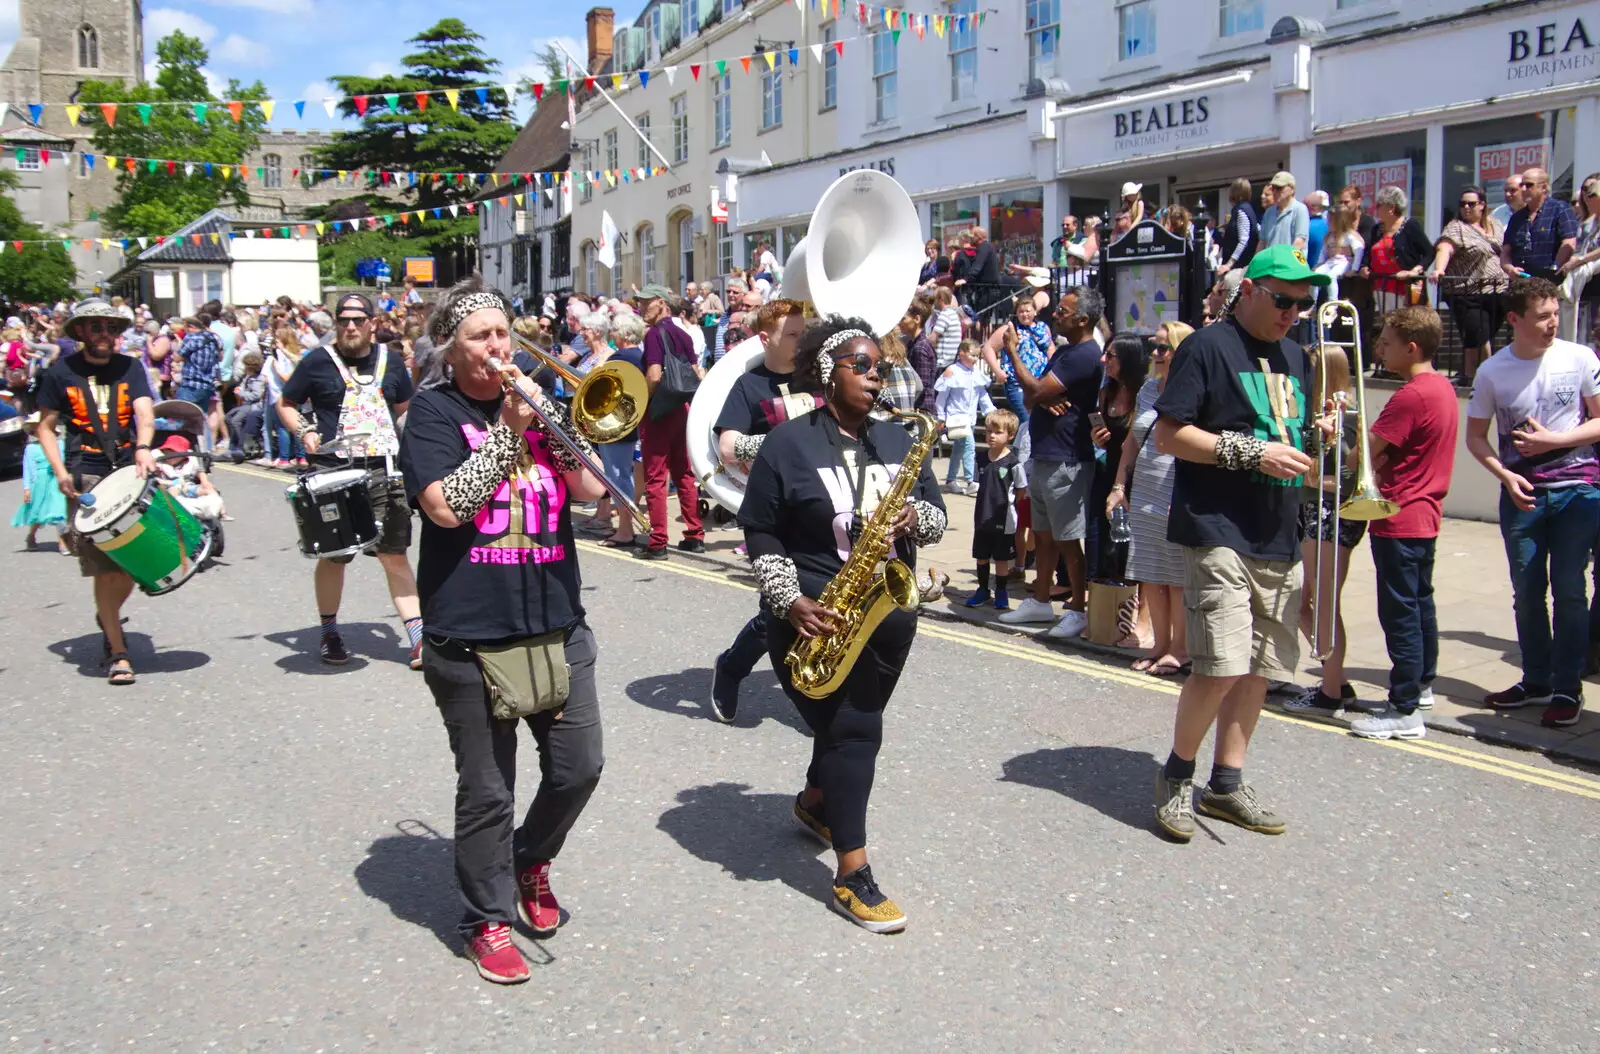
(92, 563)
(1243, 614)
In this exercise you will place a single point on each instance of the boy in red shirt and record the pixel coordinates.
(1413, 449)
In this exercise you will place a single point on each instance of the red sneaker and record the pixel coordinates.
(536, 903)
(495, 956)
(416, 656)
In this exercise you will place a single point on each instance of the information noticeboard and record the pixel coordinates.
(420, 269)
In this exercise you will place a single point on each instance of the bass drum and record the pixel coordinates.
(724, 484)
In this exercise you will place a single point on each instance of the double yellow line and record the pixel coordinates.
(1015, 648)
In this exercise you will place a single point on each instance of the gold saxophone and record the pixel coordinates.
(858, 593)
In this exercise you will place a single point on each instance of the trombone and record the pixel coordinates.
(1364, 503)
(607, 405)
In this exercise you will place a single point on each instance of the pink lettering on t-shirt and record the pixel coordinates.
(540, 489)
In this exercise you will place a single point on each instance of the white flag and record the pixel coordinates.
(330, 103)
(608, 240)
(672, 74)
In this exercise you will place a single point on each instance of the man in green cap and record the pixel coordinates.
(1234, 414)
(663, 436)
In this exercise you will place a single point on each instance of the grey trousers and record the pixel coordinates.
(490, 849)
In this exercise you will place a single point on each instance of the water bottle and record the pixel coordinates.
(1120, 532)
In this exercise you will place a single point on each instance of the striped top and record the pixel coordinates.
(946, 333)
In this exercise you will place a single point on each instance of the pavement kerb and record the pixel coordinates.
(1510, 734)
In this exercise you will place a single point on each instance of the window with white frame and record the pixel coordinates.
(722, 109)
(609, 142)
(830, 66)
(307, 163)
(963, 37)
(646, 235)
(643, 121)
(591, 268)
(585, 184)
(772, 98)
(1044, 33)
(691, 18)
(88, 47)
(1241, 16)
(680, 129)
(28, 159)
(655, 32)
(272, 172)
(725, 260)
(1136, 29)
(686, 249)
(886, 75)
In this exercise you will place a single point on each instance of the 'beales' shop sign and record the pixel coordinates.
(1197, 121)
(1552, 52)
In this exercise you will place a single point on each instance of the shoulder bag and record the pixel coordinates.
(527, 676)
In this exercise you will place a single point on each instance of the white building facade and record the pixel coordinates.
(523, 242)
(700, 119)
(1048, 107)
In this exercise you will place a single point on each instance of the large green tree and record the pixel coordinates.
(39, 274)
(159, 202)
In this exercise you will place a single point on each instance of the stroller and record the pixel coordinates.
(179, 417)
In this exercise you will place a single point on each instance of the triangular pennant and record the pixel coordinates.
(611, 176)
(421, 98)
(794, 56)
(453, 97)
(895, 33)
(393, 102)
(538, 91)
(144, 243)
(196, 238)
(330, 104)
(616, 82)
(744, 60)
(816, 52)
(34, 110)
(722, 67)
(319, 229)
(268, 106)
(483, 96)
(172, 168)
(226, 170)
(150, 164)
(200, 109)
(838, 48)
(236, 111)
(644, 78)
(188, 168)
(938, 26)
(111, 161)
(108, 110)
(300, 109)
(129, 164)
(216, 239)
(88, 159)
(518, 199)
(18, 246)
(66, 244)
(455, 210)
(588, 83)
(772, 59)
(694, 71)
(561, 86)
(672, 74)
(361, 105)
(919, 25)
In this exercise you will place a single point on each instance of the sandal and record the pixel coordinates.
(1167, 668)
(121, 670)
(618, 543)
(1143, 665)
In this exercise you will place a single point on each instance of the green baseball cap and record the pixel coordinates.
(654, 292)
(1285, 263)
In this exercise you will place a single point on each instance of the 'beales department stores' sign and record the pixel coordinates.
(1200, 120)
(1552, 52)
(1162, 125)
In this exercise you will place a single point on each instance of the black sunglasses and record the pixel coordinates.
(860, 363)
(1468, 204)
(1284, 303)
(1161, 349)
(351, 320)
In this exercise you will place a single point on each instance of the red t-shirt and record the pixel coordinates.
(1419, 424)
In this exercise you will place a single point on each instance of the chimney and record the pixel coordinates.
(599, 21)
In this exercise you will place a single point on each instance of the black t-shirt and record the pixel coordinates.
(997, 483)
(317, 380)
(1217, 383)
(513, 571)
(801, 500)
(1065, 438)
(762, 400)
(113, 386)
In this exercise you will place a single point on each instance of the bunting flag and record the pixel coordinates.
(694, 71)
(672, 75)
(144, 109)
(300, 109)
(267, 108)
(393, 102)
(236, 111)
(200, 112)
(108, 110)
(72, 113)
(453, 97)
(644, 78)
(361, 105)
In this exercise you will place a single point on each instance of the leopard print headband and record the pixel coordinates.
(825, 356)
(446, 323)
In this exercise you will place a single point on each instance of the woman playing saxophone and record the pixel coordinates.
(813, 494)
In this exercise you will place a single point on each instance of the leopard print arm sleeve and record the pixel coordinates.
(780, 582)
(561, 418)
(745, 448)
(472, 484)
(930, 526)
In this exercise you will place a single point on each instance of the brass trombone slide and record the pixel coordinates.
(606, 400)
(1364, 503)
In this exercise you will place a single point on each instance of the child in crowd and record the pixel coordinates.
(1413, 449)
(962, 394)
(994, 523)
(188, 482)
(43, 504)
(245, 419)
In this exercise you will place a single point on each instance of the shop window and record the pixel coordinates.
(949, 218)
(963, 38)
(830, 66)
(752, 258)
(1016, 226)
(1044, 32)
(1485, 152)
(1136, 29)
(791, 237)
(725, 260)
(1242, 16)
(1398, 160)
(886, 76)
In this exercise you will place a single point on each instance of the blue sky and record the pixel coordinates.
(295, 46)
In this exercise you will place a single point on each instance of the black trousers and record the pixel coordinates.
(748, 648)
(490, 849)
(847, 726)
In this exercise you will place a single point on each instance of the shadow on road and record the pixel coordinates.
(687, 694)
(1110, 780)
(365, 641)
(751, 836)
(87, 653)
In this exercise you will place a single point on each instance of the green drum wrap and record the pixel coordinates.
(149, 549)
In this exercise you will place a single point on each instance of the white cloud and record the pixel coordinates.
(379, 68)
(242, 50)
(163, 20)
(282, 7)
(216, 84)
(316, 91)
(533, 64)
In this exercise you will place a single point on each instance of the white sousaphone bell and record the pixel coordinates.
(861, 258)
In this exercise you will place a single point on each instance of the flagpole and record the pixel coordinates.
(607, 97)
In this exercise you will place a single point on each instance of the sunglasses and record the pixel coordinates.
(1284, 303)
(1161, 349)
(860, 363)
(93, 326)
(358, 321)
(1468, 204)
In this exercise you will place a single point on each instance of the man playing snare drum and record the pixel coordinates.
(104, 400)
(357, 388)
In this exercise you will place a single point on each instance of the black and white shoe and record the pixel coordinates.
(333, 652)
(724, 691)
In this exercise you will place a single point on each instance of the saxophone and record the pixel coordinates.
(861, 595)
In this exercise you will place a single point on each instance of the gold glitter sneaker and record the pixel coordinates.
(812, 821)
(857, 897)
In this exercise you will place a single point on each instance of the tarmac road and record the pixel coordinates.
(249, 851)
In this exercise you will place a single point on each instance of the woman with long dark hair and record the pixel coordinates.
(1466, 264)
(497, 575)
(1125, 361)
(814, 486)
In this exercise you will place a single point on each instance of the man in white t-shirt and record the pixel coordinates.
(1543, 397)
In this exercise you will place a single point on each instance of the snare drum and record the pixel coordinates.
(333, 509)
(144, 529)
